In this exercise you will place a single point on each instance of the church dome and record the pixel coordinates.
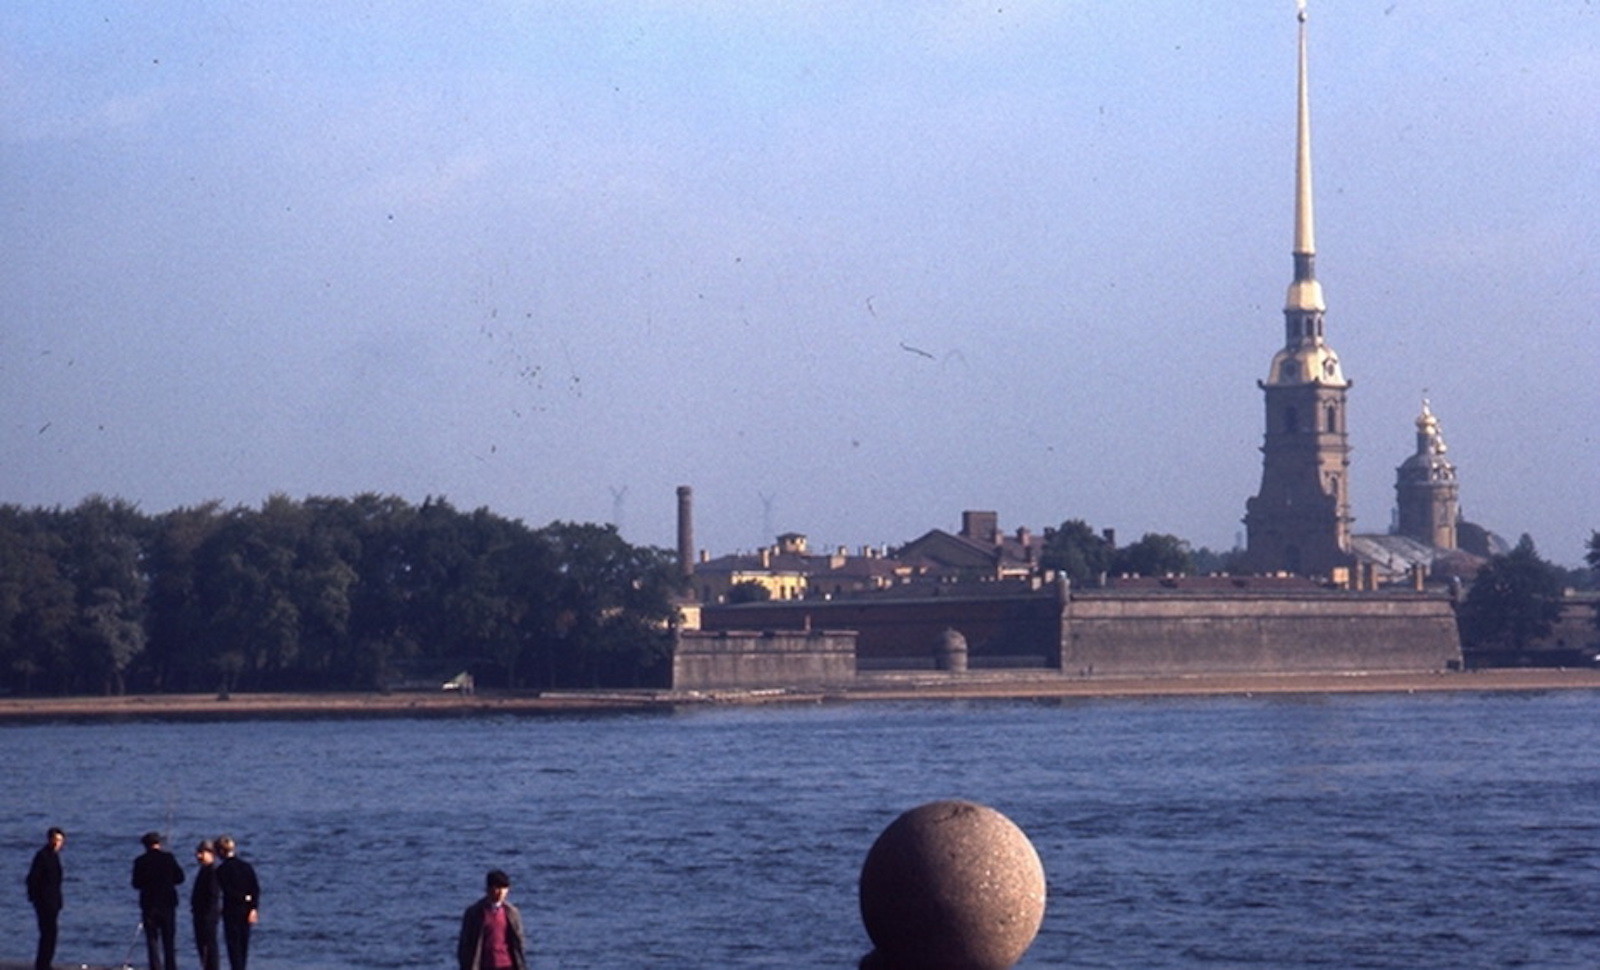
(1423, 467)
(1312, 363)
(1428, 461)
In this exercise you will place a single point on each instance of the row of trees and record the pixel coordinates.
(1085, 556)
(324, 593)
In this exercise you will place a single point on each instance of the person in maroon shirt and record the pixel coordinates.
(491, 930)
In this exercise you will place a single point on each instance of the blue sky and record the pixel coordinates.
(846, 269)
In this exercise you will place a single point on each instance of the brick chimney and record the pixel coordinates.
(686, 530)
(983, 527)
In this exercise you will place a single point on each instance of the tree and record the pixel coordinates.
(1208, 561)
(613, 607)
(1078, 551)
(1156, 554)
(246, 593)
(175, 654)
(501, 575)
(748, 591)
(1515, 600)
(36, 603)
(380, 642)
(103, 557)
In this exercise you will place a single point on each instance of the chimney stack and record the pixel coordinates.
(981, 527)
(686, 530)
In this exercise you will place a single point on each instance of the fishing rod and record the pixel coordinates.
(127, 958)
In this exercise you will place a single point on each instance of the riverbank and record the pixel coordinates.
(876, 687)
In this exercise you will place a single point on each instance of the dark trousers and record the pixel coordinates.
(236, 934)
(161, 938)
(205, 941)
(46, 953)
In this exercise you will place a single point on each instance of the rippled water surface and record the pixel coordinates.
(1450, 831)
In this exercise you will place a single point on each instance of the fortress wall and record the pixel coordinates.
(1575, 628)
(1096, 633)
(903, 633)
(1137, 634)
(747, 659)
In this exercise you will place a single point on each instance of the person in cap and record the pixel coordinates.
(156, 874)
(491, 930)
(205, 903)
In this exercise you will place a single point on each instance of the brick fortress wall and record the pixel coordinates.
(1140, 634)
(1091, 633)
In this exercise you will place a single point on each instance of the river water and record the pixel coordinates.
(1386, 831)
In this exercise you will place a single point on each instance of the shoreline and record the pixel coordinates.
(881, 687)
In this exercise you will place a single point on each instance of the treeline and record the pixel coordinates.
(1086, 555)
(322, 594)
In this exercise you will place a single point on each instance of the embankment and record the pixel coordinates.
(879, 687)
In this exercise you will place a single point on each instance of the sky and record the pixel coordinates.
(846, 269)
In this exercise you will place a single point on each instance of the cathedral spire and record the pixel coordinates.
(1305, 293)
(1305, 357)
(1300, 519)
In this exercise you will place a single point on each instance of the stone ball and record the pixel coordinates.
(951, 885)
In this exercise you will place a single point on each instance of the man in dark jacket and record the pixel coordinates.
(491, 930)
(156, 874)
(205, 902)
(44, 892)
(241, 895)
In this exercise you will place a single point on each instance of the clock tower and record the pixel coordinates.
(1299, 520)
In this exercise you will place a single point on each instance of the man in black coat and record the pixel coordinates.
(156, 874)
(44, 892)
(205, 902)
(241, 895)
(491, 930)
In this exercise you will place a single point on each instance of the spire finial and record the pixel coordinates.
(1304, 235)
(1305, 293)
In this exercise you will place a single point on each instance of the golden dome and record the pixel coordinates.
(1430, 437)
(1312, 363)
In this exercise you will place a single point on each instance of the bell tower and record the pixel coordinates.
(1426, 493)
(1299, 520)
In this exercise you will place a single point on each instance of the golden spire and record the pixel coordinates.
(1305, 293)
(1304, 241)
(1306, 357)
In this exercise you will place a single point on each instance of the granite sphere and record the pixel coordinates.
(951, 885)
